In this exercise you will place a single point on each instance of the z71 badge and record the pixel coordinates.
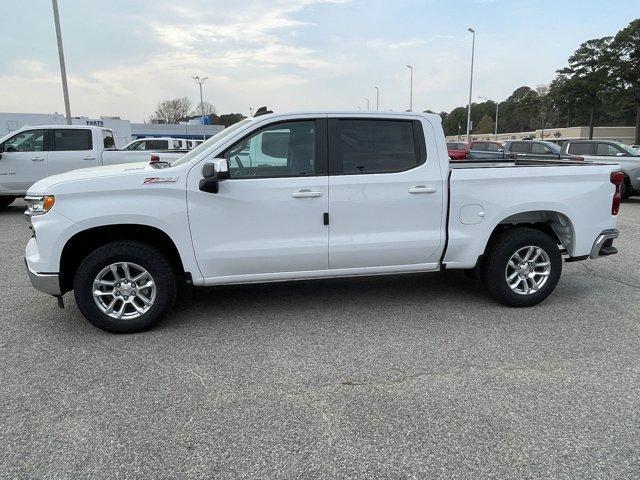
(150, 180)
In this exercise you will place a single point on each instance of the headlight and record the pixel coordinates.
(39, 205)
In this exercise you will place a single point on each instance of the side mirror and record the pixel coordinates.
(213, 174)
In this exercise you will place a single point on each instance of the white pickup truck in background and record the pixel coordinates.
(32, 153)
(162, 143)
(313, 195)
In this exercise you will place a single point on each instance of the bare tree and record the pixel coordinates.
(174, 110)
(205, 109)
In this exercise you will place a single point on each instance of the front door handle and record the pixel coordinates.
(306, 194)
(88, 158)
(37, 159)
(422, 189)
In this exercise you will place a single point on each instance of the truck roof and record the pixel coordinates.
(362, 113)
(63, 126)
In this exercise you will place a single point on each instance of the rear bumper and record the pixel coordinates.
(603, 246)
(45, 282)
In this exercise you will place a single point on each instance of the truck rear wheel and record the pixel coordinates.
(523, 267)
(125, 287)
(5, 201)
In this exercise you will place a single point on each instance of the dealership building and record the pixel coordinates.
(123, 130)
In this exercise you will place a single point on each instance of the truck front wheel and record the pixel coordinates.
(125, 287)
(522, 267)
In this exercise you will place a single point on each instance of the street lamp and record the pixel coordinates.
(377, 98)
(200, 81)
(473, 49)
(367, 100)
(497, 110)
(63, 69)
(411, 89)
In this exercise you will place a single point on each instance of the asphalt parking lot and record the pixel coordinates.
(419, 376)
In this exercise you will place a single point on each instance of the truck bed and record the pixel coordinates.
(485, 194)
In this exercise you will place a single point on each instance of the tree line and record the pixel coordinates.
(181, 109)
(599, 86)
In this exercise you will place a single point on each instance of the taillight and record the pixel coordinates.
(155, 158)
(616, 178)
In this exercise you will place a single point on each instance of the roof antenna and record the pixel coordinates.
(262, 111)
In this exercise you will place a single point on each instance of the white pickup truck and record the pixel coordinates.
(312, 195)
(32, 153)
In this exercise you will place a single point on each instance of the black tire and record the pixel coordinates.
(500, 252)
(5, 201)
(138, 253)
(626, 191)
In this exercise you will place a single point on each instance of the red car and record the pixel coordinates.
(457, 150)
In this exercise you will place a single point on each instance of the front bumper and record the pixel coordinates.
(45, 282)
(603, 246)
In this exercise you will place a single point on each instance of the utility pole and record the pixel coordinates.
(63, 69)
(473, 48)
(377, 98)
(411, 89)
(200, 81)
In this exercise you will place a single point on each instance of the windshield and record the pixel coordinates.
(628, 149)
(212, 141)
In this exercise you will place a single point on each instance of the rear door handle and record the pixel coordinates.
(37, 159)
(306, 194)
(422, 189)
(88, 158)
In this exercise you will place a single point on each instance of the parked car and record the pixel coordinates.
(327, 195)
(457, 150)
(32, 153)
(484, 149)
(159, 143)
(540, 149)
(615, 153)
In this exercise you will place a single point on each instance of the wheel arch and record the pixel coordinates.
(84, 242)
(553, 223)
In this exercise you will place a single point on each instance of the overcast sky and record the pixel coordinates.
(125, 56)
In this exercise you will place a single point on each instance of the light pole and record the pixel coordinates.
(410, 89)
(377, 98)
(63, 69)
(367, 100)
(497, 110)
(200, 81)
(473, 51)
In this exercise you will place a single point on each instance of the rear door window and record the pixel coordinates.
(70, 139)
(520, 147)
(156, 145)
(580, 149)
(376, 146)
